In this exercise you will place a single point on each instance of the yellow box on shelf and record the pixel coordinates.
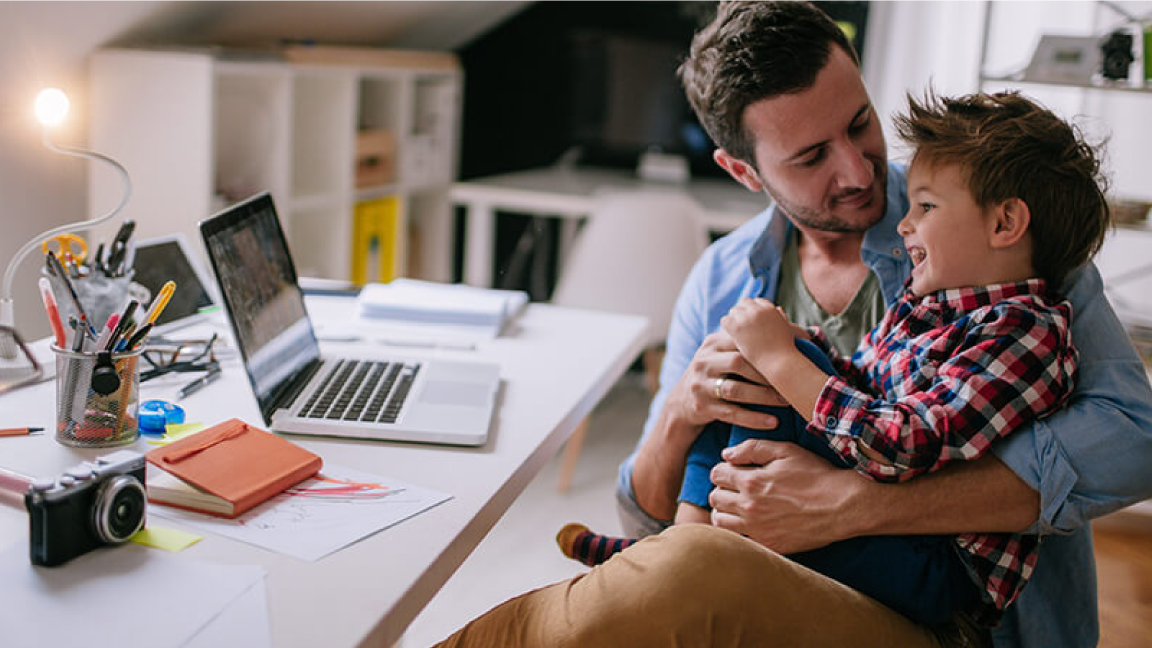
(375, 235)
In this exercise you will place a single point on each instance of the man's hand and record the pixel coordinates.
(784, 497)
(717, 382)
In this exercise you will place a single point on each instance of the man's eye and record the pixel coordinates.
(814, 159)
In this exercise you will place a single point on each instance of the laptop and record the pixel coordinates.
(299, 390)
(165, 258)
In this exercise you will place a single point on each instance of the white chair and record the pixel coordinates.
(632, 256)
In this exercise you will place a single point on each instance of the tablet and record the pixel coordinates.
(169, 258)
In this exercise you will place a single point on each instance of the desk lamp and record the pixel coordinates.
(51, 107)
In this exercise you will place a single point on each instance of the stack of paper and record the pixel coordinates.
(411, 300)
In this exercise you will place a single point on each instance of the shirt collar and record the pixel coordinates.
(973, 297)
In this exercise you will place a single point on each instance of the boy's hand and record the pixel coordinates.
(760, 329)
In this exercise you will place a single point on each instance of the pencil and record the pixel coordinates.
(24, 431)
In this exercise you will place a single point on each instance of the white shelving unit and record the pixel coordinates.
(198, 130)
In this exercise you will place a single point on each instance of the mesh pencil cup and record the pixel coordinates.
(86, 417)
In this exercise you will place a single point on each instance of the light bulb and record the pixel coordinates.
(51, 106)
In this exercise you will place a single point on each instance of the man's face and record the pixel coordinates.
(820, 152)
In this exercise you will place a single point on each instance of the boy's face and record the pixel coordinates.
(820, 152)
(945, 232)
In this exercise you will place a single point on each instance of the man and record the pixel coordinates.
(778, 88)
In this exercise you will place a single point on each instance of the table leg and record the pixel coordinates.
(479, 238)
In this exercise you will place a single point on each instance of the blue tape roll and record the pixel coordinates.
(155, 414)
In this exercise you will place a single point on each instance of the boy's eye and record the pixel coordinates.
(927, 207)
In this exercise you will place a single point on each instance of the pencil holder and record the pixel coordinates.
(97, 397)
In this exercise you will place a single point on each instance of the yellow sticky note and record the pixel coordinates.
(165, 538)
(174, 431)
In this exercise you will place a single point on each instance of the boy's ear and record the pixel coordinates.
(743, 172)
(1010, 221)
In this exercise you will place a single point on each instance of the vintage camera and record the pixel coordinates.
(1116, 53)
(89, 505)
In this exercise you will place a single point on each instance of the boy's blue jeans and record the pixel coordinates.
(921, 577)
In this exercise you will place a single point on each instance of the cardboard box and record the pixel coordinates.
(375, 158)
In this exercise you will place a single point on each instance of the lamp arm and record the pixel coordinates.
(6, 315)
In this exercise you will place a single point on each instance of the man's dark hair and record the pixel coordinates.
(1007, 146)
(753, 51)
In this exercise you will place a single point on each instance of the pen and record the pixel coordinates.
(24, 431)
(160, 302)
(138, 336)
(125, 318)
(199, 383)
(53, 312)
(57, 270)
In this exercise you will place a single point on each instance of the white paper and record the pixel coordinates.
(124, 596)
(320, 515)
(425, 301)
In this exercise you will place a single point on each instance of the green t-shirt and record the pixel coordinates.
(844, 330)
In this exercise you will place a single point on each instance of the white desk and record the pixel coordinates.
(556, 364)
(570, 193)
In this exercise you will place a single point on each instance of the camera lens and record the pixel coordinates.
(119, 509)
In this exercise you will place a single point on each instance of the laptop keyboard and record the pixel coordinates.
(362, 391)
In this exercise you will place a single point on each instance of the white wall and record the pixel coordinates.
(41, 45)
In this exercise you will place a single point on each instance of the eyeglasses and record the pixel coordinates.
(179, 357)
(18, 367)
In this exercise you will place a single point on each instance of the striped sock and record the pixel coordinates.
(579, 543)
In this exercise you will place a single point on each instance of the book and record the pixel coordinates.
(412, 300)
(226, 469)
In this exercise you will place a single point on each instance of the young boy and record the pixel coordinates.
(978, 345)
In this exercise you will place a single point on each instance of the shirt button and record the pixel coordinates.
(831, 421)
(896, 252)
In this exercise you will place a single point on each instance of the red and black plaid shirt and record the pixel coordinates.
(940, 379)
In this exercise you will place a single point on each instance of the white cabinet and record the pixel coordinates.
(198, 130)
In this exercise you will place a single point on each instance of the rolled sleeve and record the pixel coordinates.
(1092, 457)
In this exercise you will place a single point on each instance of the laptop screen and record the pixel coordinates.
(160, 260)
(259, 288)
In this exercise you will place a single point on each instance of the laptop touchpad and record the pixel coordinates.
(452, 392)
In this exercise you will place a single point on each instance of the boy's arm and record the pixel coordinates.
(1014, 365)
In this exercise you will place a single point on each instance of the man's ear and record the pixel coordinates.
(739, 169)
(1010, 221)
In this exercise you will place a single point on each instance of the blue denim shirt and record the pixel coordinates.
(1087, 460)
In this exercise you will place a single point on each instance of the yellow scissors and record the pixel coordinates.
(68, 247)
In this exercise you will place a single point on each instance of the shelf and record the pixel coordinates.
(1145, 89)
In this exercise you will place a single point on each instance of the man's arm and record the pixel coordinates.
(790, 500)
(1055, 475)
(1092, 457)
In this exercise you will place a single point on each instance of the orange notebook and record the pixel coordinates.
(227, 469)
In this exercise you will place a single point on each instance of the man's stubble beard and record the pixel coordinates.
(826, 221)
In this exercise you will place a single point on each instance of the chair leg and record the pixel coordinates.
(571, 456)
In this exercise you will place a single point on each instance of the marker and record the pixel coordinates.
(160, 302)
(53, 312)
(109, 327)
(24, 431)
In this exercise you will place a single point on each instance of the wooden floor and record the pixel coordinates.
(1124, 578)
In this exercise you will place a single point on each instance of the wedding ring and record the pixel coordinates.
(718, 389)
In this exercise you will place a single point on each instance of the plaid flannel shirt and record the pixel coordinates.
(938, 380)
